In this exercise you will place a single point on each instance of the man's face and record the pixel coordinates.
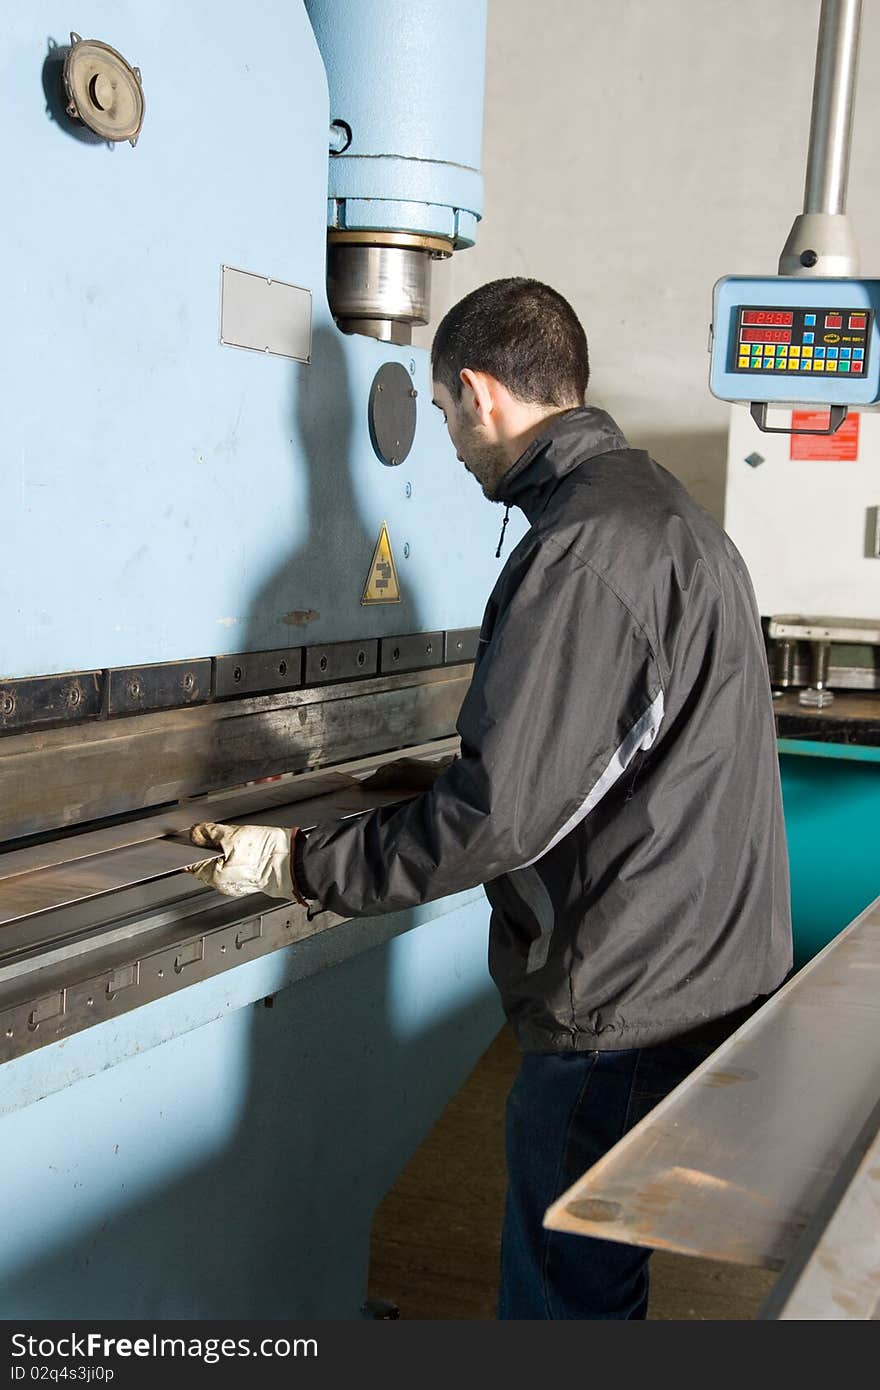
(481, 455)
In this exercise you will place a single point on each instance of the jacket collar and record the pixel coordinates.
(569, 440)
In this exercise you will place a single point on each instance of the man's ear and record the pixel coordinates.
(478, 393)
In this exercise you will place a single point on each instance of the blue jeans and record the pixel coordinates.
(564, 1111)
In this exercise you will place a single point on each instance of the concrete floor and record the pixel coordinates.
(435, 1240)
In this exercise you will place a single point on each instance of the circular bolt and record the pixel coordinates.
(188, 681)
(8, 704)
(237, 674)
(282, 668)
(134, 689)
(395, 655)
(10, 1033)
(408, 489)
(413, 393)
(394, 459)
(323, 663)
(808, 258)
(429, 648)
(380, 387)
(406, 550)
(90, 1002)
(161, 974)
(412, 366)
(361, 658)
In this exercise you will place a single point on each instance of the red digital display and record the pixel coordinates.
(766, 335)
(768, 316)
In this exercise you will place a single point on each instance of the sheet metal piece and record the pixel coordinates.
(734, 1163)
(26, 894)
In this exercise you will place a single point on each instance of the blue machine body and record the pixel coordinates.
(797, 323)
(167, 497)
(413, 163)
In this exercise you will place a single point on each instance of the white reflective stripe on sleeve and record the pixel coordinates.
(640, 737)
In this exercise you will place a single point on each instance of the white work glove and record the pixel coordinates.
(256, 859)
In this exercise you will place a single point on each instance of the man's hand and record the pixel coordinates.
(256, 859)
(407, 774)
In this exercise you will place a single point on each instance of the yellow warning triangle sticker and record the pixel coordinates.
(382, 585)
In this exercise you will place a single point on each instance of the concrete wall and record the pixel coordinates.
(634, 152)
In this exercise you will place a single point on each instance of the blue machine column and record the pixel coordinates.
(406, 107)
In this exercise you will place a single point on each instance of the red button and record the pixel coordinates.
(858, 320)
(833, 321)
(856, 367)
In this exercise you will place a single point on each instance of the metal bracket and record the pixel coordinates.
(758, 411)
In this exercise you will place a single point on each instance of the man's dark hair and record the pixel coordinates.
(521, 332)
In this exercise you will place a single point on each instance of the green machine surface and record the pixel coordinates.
(831, 794)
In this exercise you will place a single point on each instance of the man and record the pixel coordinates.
(617, 790)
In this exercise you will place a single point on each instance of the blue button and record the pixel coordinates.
(859, 353)
(820, 352)
(832, 352)
(844, 352)
(808, 337)
(809, 320)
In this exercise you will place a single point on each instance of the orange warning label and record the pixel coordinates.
(843, 444)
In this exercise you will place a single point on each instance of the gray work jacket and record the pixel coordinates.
(618, 787)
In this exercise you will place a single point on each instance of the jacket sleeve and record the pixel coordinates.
(564, 694)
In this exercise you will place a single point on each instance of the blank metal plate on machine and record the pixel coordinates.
(24, 894)
(265, 315)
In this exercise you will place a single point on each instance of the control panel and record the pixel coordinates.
(792, 339)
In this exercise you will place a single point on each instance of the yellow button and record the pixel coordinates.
(818, 366)
(769, 350)
(793, 366)
(806, 366)
(831, 366)
(743, 362)
(808, 352)
(794, 352)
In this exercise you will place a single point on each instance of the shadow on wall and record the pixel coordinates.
(302, 594)
(325, 1093)
(698, 460)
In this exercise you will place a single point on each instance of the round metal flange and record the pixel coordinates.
(103, 90)
(392, 413)
(411, 241)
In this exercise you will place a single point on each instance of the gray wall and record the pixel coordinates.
(634, 152)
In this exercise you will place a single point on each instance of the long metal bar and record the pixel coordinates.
(835, 1271)
(736, 1161)
(837, 53)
